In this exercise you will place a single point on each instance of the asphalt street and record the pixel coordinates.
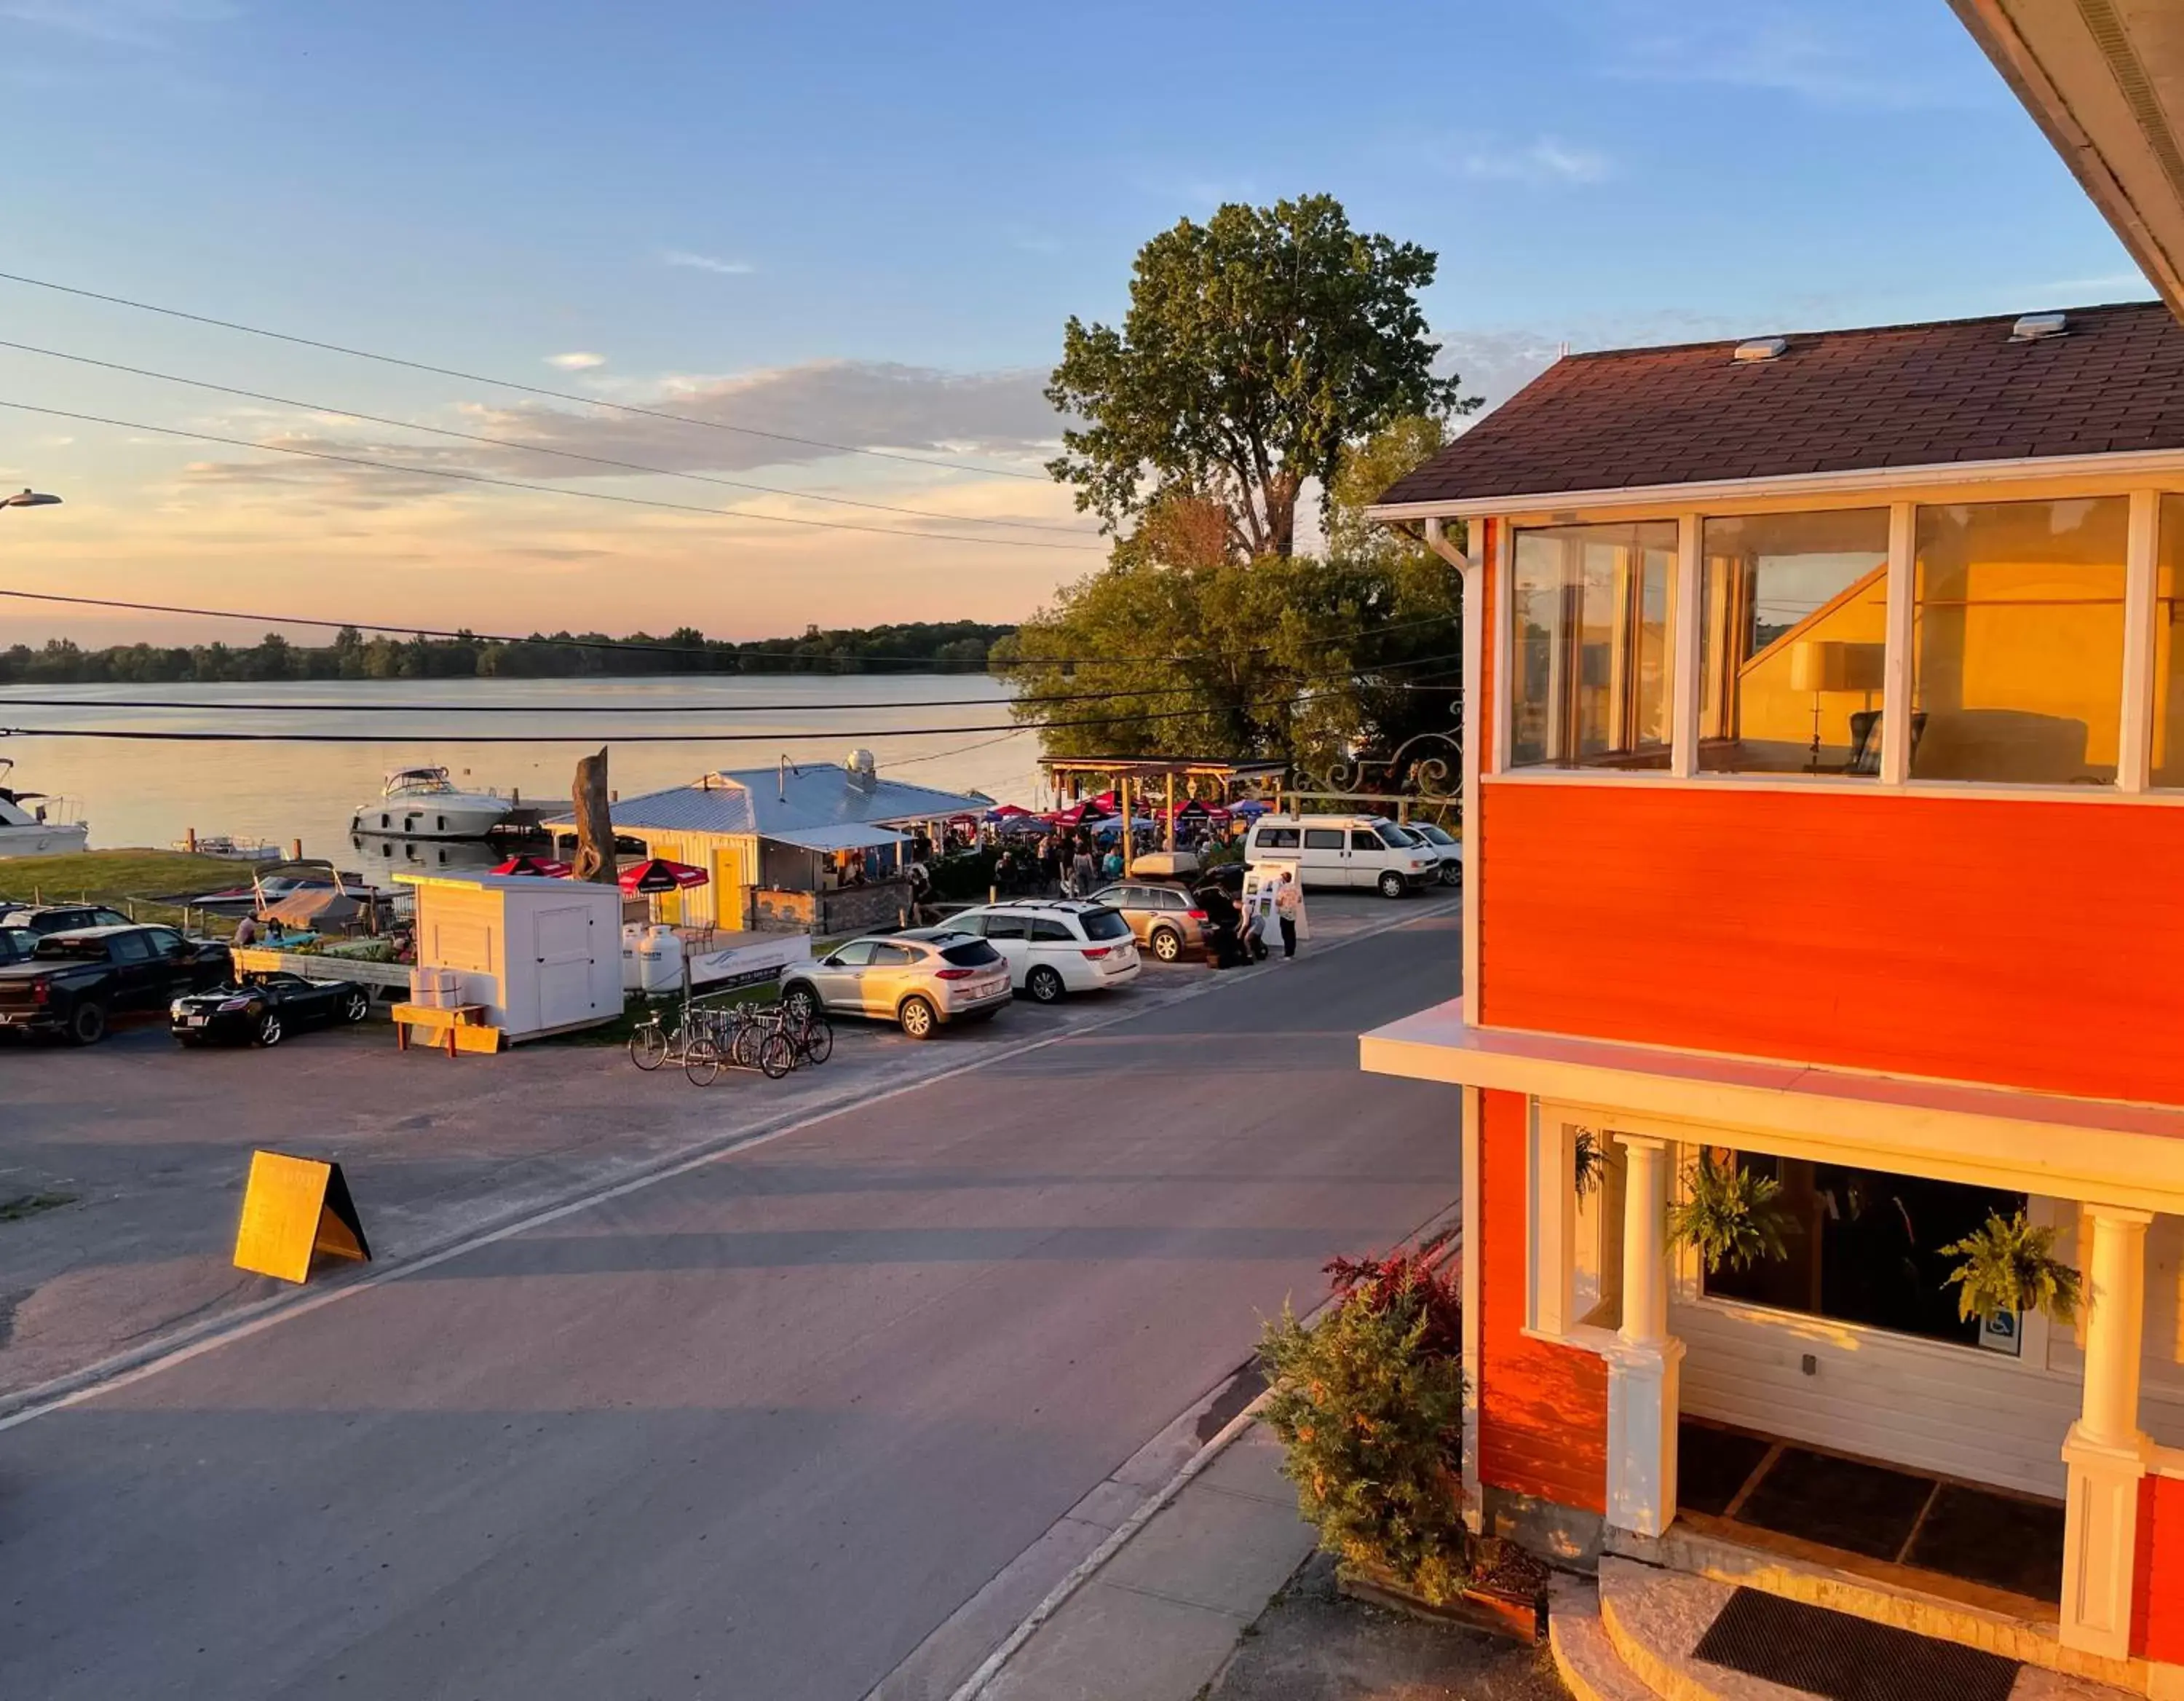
(754, 1429)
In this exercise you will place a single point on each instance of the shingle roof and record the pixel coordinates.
(770, 801)
(1834, 401)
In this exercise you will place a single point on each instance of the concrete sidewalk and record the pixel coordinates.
(1160, 1616)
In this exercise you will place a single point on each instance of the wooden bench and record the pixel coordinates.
(463, 1029)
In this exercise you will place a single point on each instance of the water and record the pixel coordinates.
(147, 793)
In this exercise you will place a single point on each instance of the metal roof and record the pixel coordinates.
(838, 838)
(775, 802)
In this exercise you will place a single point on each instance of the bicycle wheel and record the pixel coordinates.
(648, 1045)
(743, 1046)
(776, 1055)
(819, 1038)
(701, 1062)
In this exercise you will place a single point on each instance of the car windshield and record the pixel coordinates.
(1103, 924)
(1401, 837)
(973, 953)
(1433, 833)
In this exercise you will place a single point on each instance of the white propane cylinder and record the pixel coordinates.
(660, 960)
(632, 972)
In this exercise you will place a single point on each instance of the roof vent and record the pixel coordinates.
(2033, 326)
(1761, 348)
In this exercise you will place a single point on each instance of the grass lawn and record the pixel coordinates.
(126, 880)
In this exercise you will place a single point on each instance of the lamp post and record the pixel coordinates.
(28, 498)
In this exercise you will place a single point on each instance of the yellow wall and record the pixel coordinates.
(1775, 719)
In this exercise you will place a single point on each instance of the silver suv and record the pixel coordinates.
(918, 979)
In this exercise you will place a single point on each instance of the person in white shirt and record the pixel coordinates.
(1288, 910)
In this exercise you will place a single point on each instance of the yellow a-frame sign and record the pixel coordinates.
(294, 1207)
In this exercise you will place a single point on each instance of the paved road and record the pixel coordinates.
(755, 1431)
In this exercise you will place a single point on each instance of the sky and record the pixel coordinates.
(863, 224)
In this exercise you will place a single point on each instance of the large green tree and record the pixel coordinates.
(1258, 347)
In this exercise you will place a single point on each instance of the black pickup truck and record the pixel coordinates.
(74, 982)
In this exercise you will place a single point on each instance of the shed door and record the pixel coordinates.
(563, 947)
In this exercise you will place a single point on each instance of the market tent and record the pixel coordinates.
(658, 874)
(544, 868)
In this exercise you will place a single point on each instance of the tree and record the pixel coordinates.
(1257, 346)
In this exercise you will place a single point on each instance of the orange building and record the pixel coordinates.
(1825, 804)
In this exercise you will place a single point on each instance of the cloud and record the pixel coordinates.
(576, 361)
(696, 262)
(1544, 161)
(1828, 57)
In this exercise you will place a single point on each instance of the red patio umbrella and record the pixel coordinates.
(658, 874)
(545, 867)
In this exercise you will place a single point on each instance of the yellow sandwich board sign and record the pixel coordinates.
(292, 1208)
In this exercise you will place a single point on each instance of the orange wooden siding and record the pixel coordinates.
(1542, 1408)
(2157, 1628)
(2028, 944)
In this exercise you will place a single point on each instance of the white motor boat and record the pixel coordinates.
(422, 803)
(32, 824)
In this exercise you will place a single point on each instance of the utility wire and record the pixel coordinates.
(542, 449)
(543, 489)
(509, 384)
(224, 705)
(647, 647)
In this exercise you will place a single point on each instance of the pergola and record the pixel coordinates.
(1125, 772)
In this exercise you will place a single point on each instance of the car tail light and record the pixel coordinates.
(40, 991)
(1096, 951)
(955, 974)
(1195, 915)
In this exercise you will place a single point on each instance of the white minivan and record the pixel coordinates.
(1368, 850)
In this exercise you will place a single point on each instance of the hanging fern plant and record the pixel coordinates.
(1731, 1215)
(1589, 1158)
(2010, 1266)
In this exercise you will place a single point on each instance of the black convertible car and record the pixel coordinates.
(264, 1009)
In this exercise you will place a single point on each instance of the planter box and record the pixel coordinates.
(1510, 1600)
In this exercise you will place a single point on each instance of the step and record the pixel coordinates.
(1585, 1658)
(1654, 1620)
(2015, 1636)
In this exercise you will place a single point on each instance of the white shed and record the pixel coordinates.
(544, 955)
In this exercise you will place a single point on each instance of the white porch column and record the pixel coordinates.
(2106, 1451)
(1643, 1365)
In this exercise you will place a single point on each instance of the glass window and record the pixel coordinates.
(2019, 645)
(1365, 838)
(1004, 927)
(1793, 625)
(2169, 646)
(1045, 930)
(855, 954)
(1866, 1247)
(1322, 838)
(129, 948)
(1283, 837)
(895, 956)
(1104, 924)
(1589, 629)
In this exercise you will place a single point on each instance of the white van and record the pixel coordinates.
(1368, 850)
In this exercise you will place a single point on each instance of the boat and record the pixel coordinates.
(32, 824)
(423, 803)
(225, 845)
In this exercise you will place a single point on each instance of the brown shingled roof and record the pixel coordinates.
(1836, 401)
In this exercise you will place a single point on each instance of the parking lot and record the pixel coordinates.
(148, 1145)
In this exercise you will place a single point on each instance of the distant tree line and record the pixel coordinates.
(955, 646)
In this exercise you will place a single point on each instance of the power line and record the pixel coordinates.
(509, 384)
(648, 647)
(543, 489)
(539, 449)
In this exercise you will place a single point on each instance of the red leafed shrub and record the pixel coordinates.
(1408, 1280)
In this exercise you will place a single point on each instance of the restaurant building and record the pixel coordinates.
(1825, 796)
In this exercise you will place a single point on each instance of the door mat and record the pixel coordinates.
(1846, 1658)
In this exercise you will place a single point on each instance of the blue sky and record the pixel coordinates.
(867, 224)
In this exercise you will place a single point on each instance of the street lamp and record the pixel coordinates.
(28, 498)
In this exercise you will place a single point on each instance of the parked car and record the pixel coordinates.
(73, 983)
(15, 944)
(1345, 850)
(264, 1009)
(61, 919)
(1057, 945)
(1444, 845)
(1164, 918)
(920, 979)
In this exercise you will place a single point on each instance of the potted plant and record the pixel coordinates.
(1732, 1216)
(1368, 1402)
(1588, 1158)
(2010, 1266)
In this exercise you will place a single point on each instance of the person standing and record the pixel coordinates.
(1289, 909)
(1082, 874)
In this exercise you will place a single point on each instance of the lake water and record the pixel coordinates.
(148, 793)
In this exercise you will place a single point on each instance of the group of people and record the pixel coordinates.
(1238, 933)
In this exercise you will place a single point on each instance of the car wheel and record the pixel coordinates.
(1391, 884)
(1044, 986)
(87, 1024)
(800, 1001)
(356, 1006)
(1167, 944)
(917, 1018)
(1452, 873)
(269, 1030)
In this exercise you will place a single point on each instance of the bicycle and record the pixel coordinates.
(757, 1042)
(811, 1039)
